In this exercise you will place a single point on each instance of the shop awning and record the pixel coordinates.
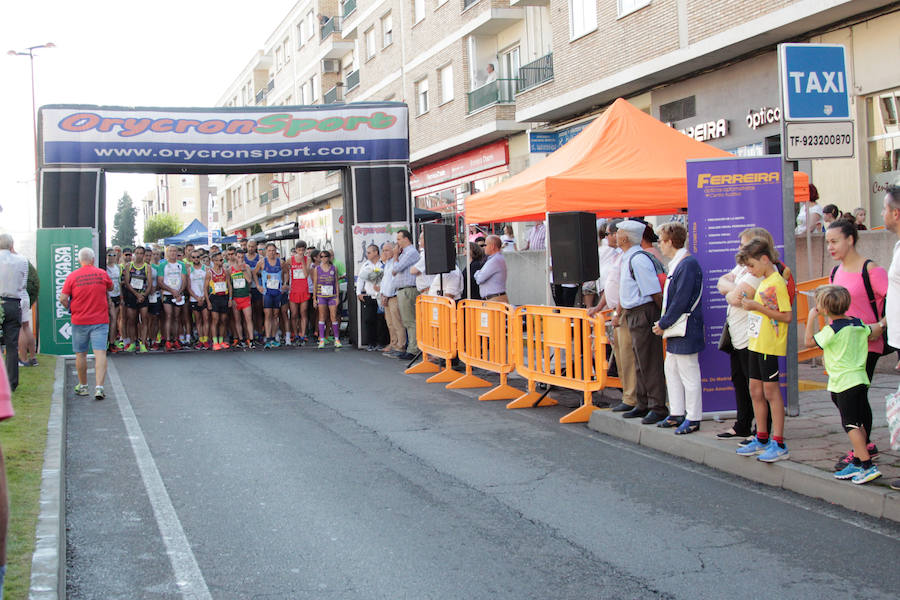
(625, 163)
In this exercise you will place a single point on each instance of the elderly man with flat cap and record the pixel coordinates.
(640, 301)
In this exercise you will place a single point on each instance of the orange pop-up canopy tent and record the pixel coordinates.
(624, 163)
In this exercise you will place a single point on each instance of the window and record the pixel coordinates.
(278, 58)
(387, 31)
(629, 6)
(441, 2)
(418, 10)
(370, 42)
(313, 90)
(301, 33)
(445, 78)
(286, 49)
(305, 97)
(422, 96)
(310, 24)
(582, 17)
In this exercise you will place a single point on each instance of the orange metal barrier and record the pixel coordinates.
(606, 316)
(436, 336)
(804, 303)
(482, 336)
(562, 347)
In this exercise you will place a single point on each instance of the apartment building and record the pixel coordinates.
(495, 85)
(187, 197)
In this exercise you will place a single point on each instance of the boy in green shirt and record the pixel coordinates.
(844, 342)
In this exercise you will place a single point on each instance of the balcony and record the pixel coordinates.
(352, 80)
(332, 25)
(500, 91)
(260, 96)
(348, 7)
(468, 3)
(535, 73)
(334, 95)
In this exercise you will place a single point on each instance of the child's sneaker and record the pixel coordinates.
(774, 453)
(98, 393)
(849, 471)
(752, 449)
(867, 475)
(81, 389)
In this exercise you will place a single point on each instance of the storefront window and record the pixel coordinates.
(884, 148)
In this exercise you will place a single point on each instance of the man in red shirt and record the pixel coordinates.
(84, 294)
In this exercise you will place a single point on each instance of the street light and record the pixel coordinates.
(29, 52)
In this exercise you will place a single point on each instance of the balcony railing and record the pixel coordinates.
(500, 91)
(332, 96)
(349, 7)
(260, 96)
(352, 80)
(332, 25)
(535, 73)
(270, 86)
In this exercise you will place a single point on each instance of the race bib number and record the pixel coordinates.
(154, 297)
(272, 283)
(755, 325)
(137, 284)
(326, 290)
(220, 287)
(173, 281)
(239, 284)
(298, 273)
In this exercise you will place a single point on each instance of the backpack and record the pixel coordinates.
(660, 270)
(870, 292)
(791, 284)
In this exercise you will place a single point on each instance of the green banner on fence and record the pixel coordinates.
(57, 256)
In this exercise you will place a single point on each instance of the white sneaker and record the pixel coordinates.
(81, 389)
(98, 393)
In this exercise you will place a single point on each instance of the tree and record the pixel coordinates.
(123, 223)
(161, 226)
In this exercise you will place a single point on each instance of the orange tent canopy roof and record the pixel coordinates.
(624, 163)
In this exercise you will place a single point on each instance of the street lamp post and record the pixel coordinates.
(29, 52)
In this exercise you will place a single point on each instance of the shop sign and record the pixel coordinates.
(467, 163)
(711, 130)
(878, 187)
(550, 141)
(764, 116)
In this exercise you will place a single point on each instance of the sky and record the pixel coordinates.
(162, 53)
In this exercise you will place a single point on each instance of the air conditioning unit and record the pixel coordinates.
(331, 65)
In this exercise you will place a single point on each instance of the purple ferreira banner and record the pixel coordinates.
(725, 197)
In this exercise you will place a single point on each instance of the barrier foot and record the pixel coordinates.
(582, 414)
(426, 366)
(468, 381)
(445, 376)
(501, 392)
(531, 400)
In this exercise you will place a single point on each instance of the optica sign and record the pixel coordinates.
(223, 138)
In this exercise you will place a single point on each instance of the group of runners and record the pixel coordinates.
(221, 298)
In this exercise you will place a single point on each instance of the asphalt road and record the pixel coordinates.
(315, 474)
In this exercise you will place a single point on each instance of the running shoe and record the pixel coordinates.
(130, 347)
(235, 342)
(329, 339)
(275, 343)
(142, 347)
(98, 393)
(216, 347)
(337, 343)
(848, 458)
(867, 475)
(81, 389)
(752, 449)
(168, 346)
(199, 346)
(849, 471)
(112, 349)
(267, 345)
(154, 346)
(252, 345)
(207, 345)
(120, 344)
(224, 346)
(177, 345)
(774, 453)
(321, 344)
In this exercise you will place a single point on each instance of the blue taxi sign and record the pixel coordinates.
(814, 82)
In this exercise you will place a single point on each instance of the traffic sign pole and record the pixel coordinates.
(790, 254)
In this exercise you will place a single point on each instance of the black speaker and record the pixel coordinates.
(573, 247)
(381, 194)
(69, 199)
(440, 251)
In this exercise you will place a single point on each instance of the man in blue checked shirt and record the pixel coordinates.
(405, 284)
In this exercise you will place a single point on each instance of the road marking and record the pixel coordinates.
(187, 573)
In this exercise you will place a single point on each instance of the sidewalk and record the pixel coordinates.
(815, 438)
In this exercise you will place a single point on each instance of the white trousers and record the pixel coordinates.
(683, 385)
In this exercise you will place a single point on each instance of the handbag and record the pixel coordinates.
(725, 344)
(679, 327)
